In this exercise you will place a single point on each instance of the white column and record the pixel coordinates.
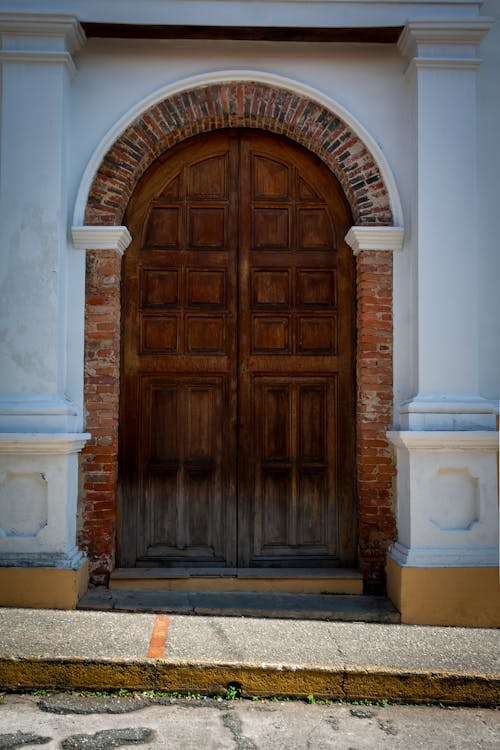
(442, 75)
(39, 422)
(36, 69)
(447, 489)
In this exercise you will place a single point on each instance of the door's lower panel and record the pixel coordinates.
(187, 501)
(290, 499)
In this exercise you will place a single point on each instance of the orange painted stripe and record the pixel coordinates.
(158, 637)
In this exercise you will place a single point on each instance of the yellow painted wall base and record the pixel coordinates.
(445, 596)
(50, 588)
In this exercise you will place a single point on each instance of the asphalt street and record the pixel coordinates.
(90, 722)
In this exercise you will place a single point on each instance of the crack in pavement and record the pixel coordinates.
(18, 739)
(233, 723)
(76, 704)
(108, 738)
(387, 726)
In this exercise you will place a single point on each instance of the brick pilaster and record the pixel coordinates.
(99, 467)
(375, 462)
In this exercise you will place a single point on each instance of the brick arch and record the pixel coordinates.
(180, 116)
(239, 104)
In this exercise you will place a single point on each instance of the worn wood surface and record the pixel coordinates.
(237, 409)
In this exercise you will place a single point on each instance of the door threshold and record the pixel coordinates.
(283, 580)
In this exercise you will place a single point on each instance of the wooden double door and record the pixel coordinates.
(237, 400)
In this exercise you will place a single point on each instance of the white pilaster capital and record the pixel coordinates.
(42, 444)
(450, 39)
(389, 239)
(101, 238)
(55, 29)
(40, 38)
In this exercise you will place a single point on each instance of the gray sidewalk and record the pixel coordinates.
(344, 661)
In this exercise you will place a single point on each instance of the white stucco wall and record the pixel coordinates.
(368, 81)
(44, 279)
(113, 75)
(488, 128)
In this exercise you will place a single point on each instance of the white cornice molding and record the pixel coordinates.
(37, 58)
(389, 239)
(42, 444)
(445, 440)
(445, 63)
(466, 33)
(101, 238)
(47, 25)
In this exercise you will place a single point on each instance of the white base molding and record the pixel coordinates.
(43, 414)
(447, 498)
(443, 569)
(47, 588)
(442, 411)
(38, 500)
(460, 596)
(459, 557)
(71, 560)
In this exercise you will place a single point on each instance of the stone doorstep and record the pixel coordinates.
(336, 607)
(271, 573)
(212, 579)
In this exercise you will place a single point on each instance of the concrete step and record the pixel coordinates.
(284, 580)
(332, 607)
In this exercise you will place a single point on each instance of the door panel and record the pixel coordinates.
(178, 406)
(237, 408)
(182, 458)
(296, 344)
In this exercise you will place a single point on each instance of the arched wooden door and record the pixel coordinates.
(237, 404)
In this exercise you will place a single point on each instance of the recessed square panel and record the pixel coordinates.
(200, 432)
(206, 228)
(314, 230)
(270, 334)
(207, 178)
(312, 421)
(205, 334)
(164, 408)
(276, 491)
(206, 288)
(312, 507)
(316, 288)
(160, 288)
(163, 228)
(269, 177)
(270, 288)
(159, 334)
(277, 421)
(270, 228)
(317, 335)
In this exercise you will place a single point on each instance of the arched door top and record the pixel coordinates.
(302, 115)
